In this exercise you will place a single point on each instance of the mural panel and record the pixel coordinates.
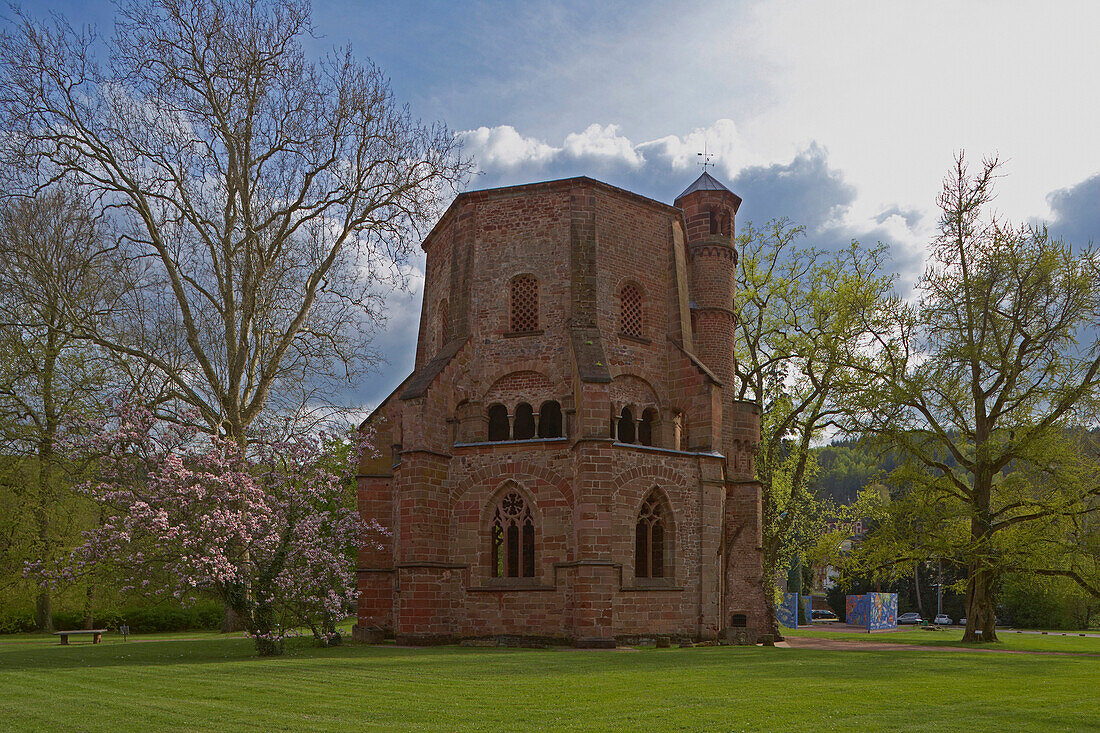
(787, 613)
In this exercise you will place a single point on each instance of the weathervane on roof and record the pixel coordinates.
(705, 156)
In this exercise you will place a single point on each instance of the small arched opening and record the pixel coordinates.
(625, 432)
(498, 423)
(550, 420)
(524, 428)
(647, 427)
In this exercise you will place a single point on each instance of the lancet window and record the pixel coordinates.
(650, 536)
(513, 538)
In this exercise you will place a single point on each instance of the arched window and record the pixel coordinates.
(720, 222)
(498, 422)
(513, 538)
(646, 426)
(524, 428)
(626, 426)
(630, 310)
(550, 420)
(650, 535)
(525, 303)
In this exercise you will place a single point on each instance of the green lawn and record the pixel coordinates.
(214, 682)
(1052, 642)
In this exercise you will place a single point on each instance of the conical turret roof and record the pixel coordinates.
(705, 182)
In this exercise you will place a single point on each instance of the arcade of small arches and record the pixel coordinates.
(632, 425)
(513, 539)
(523, 423)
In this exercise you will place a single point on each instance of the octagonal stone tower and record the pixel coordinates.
(567, 460)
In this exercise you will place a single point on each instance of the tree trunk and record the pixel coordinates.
(43, 611)
(46, 458)
(916, 586)
(980, 617)
(981, 578)
(89, 607)
(769, 613)
(231, 621)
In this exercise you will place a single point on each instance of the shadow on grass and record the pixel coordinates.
(35, 655)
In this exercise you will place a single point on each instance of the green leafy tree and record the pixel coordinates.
(52, 259)
(980, 386)
(803, 317)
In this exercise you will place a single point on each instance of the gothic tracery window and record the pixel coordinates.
(630, 310)
(513, 538)
(525, 304)
(650, 536)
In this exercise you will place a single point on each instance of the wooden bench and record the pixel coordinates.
(97, 635)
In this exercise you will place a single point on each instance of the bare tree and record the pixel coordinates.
(263, 195)
(51, 258)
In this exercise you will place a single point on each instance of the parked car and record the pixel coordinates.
(962, 622)
(942, 620)
(820, 614)
(910, 618)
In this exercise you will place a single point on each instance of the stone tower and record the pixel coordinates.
(568, 459)
(710, 211)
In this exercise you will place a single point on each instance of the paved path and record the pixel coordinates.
(809, 642)
(1050, 633)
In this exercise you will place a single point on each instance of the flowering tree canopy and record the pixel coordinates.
(271, 532)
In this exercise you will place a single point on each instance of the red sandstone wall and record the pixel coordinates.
(586, 491)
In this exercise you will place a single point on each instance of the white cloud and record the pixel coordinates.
(503, 149)
(502, 146)
(724, 143)
(604, 143)
(895, 89)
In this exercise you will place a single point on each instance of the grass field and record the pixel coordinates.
(207, 681)
(1053, 642)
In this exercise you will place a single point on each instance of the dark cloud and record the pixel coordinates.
(911, 217)
(1077, 212)
(811, 193)
(806, 190)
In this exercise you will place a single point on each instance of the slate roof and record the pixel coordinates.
(705, 182)
(423, 378)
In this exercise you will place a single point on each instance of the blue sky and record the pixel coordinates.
(842, 116)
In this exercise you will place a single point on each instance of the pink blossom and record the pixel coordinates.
(272, 531)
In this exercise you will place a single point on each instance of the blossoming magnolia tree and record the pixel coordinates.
(271, 532)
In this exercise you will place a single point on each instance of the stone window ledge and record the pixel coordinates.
(638, 339)
(646, 588)
(562, 439)
(657, 449)
(521, 334)
(509, 587)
